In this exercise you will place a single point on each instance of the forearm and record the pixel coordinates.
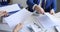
(30, 3)
(54, 5)
(18, 27)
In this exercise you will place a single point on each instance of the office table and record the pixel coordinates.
(29, 20)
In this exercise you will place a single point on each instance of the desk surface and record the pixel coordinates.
(30, 20)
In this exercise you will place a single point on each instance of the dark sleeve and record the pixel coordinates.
(54, 5)
(8, 1)
(31, 2)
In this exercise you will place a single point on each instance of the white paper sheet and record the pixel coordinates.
(50, 16)
(10, 8)
(55, 19)
(45, 21)
(18, 17)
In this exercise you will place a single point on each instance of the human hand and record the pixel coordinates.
(3, 13)
(42, 10)
(52, 12)
(18, 27)
(39, 9)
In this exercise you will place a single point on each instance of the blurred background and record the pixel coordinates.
(58, 5)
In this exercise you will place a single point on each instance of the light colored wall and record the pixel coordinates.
(22, 2)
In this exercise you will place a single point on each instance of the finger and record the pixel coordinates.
(51, 13)
(5, 13)
(18, 27)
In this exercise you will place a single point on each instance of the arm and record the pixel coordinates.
(32, 4)
(54, 5)
(52, 11)
(18, 27)
(35, 6)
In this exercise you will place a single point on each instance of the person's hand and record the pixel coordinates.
(42, 10)
(52, 12)
(3, 13)
(39, 9)
(18, 27)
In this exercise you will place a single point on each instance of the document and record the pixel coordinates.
(57, 16)
(17, 17)
(55, 19)
(45, 21)
(10, 8)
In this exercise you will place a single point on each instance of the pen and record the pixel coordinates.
(13, 12)
(10, 13)
(37, 25)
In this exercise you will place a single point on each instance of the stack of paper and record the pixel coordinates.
(45, 21)
(55, 19)
(10, 8)
(18, 17)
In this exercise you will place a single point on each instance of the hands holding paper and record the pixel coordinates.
(41, 10)
(3, 13)
(52, 11)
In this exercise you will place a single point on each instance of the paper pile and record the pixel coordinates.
(18, 17)
(10, 8)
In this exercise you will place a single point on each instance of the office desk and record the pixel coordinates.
(29, 20)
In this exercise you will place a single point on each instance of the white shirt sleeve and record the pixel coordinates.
(34, 6)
